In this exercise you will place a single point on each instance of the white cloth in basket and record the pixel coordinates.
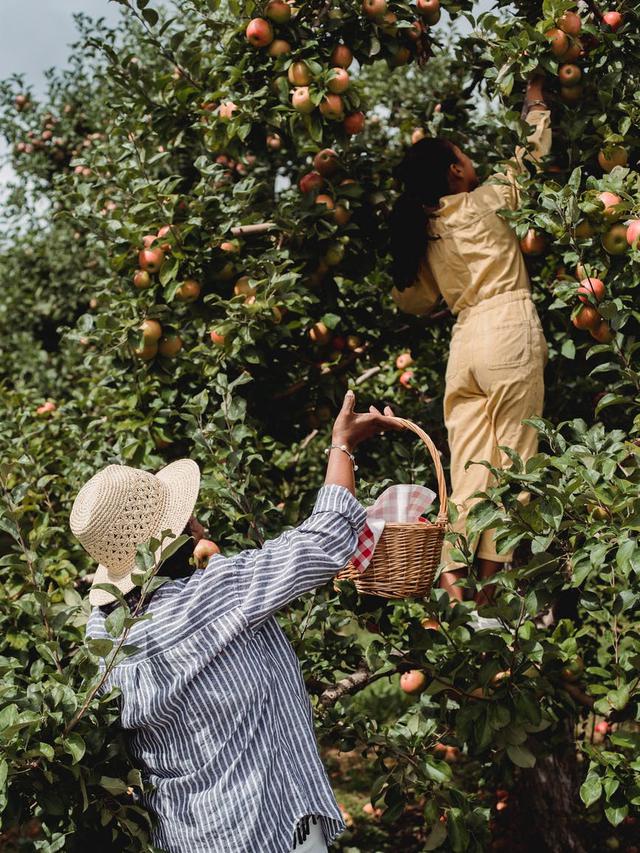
(404, 503)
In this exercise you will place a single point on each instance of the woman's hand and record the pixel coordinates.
(352, 427)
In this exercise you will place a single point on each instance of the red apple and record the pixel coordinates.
(332, 108)
(151, 260)
(188, 291)
(570, 75)
(613, 20)
(584, 230)
(633, 232)
(21, 102)
(587, 318)
(326, 162)
(430, 10)
(339, 81)
(151, 330)
(615, 240)
(404, 360)
(617, 156)
(204, 550)
(406, 378)
(354, 123)
(326, 200)
(46, 408)
(141, 279)
(341, 56)
(299, 74)
(274, 141)
(602, 332)
(243, 288)
(558, 41)
(342, 215)
(229, 246)
(279, 47)
(310, 182)
(609, 200)
(574, 51)
(602, 727)
(533, 243)
(401, 57)
(570, 23)
(278, 11)
(147, 351)
(571, 94)
(301, 100)
(413, 682)
(169, 345)
(591, 287)
(217, 338)
(148, 240)
(259, 32)
(415, 31)
(374, 8)
(417, 134)
(226, 110)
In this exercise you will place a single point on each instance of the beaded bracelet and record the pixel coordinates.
(344, 449)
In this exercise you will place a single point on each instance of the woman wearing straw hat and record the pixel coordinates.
(213, 700)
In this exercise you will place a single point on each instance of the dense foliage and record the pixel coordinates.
(176, 119)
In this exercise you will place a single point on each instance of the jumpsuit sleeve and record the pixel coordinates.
(421, 297)
(504, 185)
(301, 559)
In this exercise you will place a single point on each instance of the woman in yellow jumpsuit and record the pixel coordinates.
(448, 240)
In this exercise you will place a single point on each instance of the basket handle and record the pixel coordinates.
(433, 451)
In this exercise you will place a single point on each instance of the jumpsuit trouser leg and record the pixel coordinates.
(495, 379)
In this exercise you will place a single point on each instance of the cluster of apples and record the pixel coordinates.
(332, 82)
(151, 259)
(321, 335)
(567, 46)
(591, 290)
(378, 12)
(326, 165)
(156, 342)
(403, 362)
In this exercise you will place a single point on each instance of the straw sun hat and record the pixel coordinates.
(121, 508)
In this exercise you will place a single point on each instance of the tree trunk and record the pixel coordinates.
(548, 797)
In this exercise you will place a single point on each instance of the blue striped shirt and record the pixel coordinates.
(219, 720)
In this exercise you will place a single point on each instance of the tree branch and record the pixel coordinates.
(258, 228)
(353, 683)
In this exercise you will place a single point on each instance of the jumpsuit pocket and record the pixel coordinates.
(509, 345)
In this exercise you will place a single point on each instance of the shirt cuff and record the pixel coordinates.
(338, 499)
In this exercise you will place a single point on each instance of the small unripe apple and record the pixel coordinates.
(259, 32)
(332, 108)
(613, 20)
(338, 81)
(617, 156)
(217, 338)
(374, 8)
(406, 378)
(278, 11)
(204, 550)
(413, 682)
(587, 317)
(570, 23)
(141, 279)
(278, 47)
(591, 288)
(188, 291)
(151, 260)
(326, 162)
(633, 232)
(151, 330)
(573, 669)
(404, 360)
(310, 182)
(569, 75)
(334, 254)
(169, 345)
(301, 100)
(341, 56)
(354, 123)
(558, 41)
(320, 334)
(299, 74)
(615, 240)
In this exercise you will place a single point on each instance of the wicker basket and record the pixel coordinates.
(406, 557)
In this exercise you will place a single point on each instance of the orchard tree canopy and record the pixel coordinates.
(198, 266)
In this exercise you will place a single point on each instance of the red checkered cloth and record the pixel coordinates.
(404, 503)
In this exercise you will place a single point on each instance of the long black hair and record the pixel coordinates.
(424, 173)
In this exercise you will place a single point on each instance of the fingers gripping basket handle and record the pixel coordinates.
(442, 484)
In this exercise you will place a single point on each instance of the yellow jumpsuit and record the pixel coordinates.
(494, 376)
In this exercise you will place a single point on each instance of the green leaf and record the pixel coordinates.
(591, 790)
(75, 746)
(521, 756)
(113, 786)
(436, 837)
(114, 623)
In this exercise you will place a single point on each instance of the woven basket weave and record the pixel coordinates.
(406, 557)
